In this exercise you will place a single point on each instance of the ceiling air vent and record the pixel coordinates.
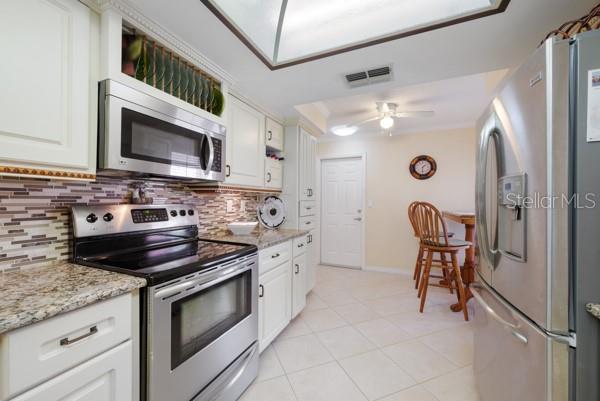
(369, 77)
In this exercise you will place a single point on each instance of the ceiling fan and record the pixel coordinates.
(388, 112)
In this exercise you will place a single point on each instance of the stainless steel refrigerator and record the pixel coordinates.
(538, 229)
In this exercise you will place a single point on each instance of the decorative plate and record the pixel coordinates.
(271, 212)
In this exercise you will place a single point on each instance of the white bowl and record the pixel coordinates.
(242, 228)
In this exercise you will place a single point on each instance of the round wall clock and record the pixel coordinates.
(422, 167)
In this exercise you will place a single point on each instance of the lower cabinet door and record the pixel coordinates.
(107, 377)
(311, 260)
(298, 284)
(274, 303)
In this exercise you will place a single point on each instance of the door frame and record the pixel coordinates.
(336, 156)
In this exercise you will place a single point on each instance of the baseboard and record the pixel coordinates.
(390, 270)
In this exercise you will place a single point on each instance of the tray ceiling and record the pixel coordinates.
(288, 32)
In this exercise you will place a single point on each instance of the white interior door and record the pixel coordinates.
(342, 212)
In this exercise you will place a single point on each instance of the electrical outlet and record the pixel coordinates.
(243, 205)
(230, 206)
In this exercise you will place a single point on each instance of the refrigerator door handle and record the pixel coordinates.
(514, 330)
(488, 247)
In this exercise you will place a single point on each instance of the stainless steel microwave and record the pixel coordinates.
(143, 135)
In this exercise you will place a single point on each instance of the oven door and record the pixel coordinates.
(198, 326)
(153, 137)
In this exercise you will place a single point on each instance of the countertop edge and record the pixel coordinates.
(255, 238)
(29, 316)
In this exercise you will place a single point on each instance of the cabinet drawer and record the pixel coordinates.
(307, 222)
(300, 245)
(274, 256)
(273, 173)
(274, 134)
(104, 378)
(35, 353)
(307, 208)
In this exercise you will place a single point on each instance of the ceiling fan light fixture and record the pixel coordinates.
(344, 130)
(386, 122)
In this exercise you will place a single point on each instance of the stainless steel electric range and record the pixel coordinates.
(199, 328)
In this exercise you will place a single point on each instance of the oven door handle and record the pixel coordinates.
(202, 283)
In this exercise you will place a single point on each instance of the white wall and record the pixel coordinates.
(390, 188)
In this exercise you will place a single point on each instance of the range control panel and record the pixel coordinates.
(113, 219)
(149, 215)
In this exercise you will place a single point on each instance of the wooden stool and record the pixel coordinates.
(433, 233)
(421, 257)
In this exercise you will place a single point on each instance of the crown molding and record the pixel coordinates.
(134, 16)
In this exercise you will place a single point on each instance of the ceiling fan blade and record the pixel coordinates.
(414, 114)
(367, 120)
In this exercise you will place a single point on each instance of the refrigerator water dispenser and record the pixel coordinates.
(512, 216)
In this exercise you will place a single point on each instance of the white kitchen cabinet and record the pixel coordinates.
(274, 135)
(79, 354)
(299, 267)
(48, 89)
(274, 303)
(273, 173)
(312, 259)
(245, 163)
(107, 377)
(307, 165)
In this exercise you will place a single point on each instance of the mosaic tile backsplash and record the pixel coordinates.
(35, 225)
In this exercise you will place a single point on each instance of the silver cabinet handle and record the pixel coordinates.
(227, 170)
(358, 218)
(268, 177)
(67, 341)
(492, 313)
(270, 135)
(261, 291)
(275, 255)
(300, 245)
(297, 269)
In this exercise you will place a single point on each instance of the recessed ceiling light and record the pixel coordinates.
(344, 130)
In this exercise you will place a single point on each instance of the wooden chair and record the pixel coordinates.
(433, 234)
(421, 257)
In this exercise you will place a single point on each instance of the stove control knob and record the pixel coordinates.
(182, 212)
(190, 212)
(174, 213)
(108, 217)
(91, 218)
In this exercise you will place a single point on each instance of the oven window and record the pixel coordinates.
(201, 318)
(154, 140)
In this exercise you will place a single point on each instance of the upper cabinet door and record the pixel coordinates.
(48, 120)
(307, 164)
(274, 135)
(245, 145)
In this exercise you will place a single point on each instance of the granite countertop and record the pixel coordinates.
(34, 294)
(262, 238)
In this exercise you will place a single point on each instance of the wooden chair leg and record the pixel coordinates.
(460, 286)
(422, 269)
(425, 280)
(445, 270)
(418, 264)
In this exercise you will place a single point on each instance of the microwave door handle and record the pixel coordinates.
(211, 157)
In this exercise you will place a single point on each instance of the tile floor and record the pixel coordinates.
(361, 337)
